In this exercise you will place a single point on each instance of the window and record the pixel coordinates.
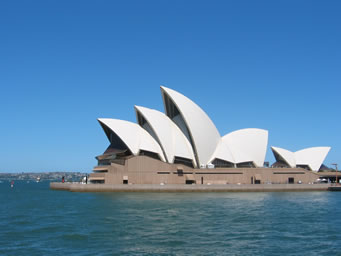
(219, 163)
(246, 165)
(97, 181)
(184, 161)
(150, 154)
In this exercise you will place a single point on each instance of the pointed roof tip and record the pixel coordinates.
(102, 120)
(163, 88)
(141, 108)
(280, 149)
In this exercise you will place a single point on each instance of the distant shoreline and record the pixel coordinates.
(51, 176)
(78, 187)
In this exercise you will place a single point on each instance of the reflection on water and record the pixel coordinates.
(37, 221)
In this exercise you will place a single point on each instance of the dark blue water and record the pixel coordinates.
(37, 221)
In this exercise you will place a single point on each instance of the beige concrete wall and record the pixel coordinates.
(145, 170)
(77, 187)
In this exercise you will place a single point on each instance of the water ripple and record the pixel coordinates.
(37, 221)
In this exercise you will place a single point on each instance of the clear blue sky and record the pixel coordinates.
(274, 65)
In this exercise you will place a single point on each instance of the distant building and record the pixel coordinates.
(183, 145)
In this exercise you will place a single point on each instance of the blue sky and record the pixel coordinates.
(274, 65)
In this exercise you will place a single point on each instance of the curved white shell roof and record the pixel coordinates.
(135, 137)
(205, 136)
(187, 131)
(223, 152)
(313, 157)
(170, 137)
(248, 145)
(288, 156)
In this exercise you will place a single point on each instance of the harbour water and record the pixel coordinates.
(35, 220)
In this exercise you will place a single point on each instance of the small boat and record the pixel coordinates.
(38, 179)
(12, 183)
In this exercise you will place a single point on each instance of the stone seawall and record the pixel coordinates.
(77, 187)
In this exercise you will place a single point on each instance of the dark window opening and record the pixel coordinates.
(189, 182)
(180, 172)
(171, 109)
(219, 173)
(291, 180)
(280, 164)
(246, 165)
(140, 119)
(145, 125)
(149, 154)
(184, 161)
(303, 166)
(125, 182)
(219, 163)
(103, 162)
(97, 181)
(117, 150)
(100, 171)
(257, 181)
(108, 162)
(112, 155)
(289, 173)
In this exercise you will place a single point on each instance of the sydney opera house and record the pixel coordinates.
(183, 146)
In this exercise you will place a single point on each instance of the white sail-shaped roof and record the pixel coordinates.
(285, 155)
(248, 145)
(312, 157)
(194, 123)
(223, 152)
(171, 139)
(133, 136)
